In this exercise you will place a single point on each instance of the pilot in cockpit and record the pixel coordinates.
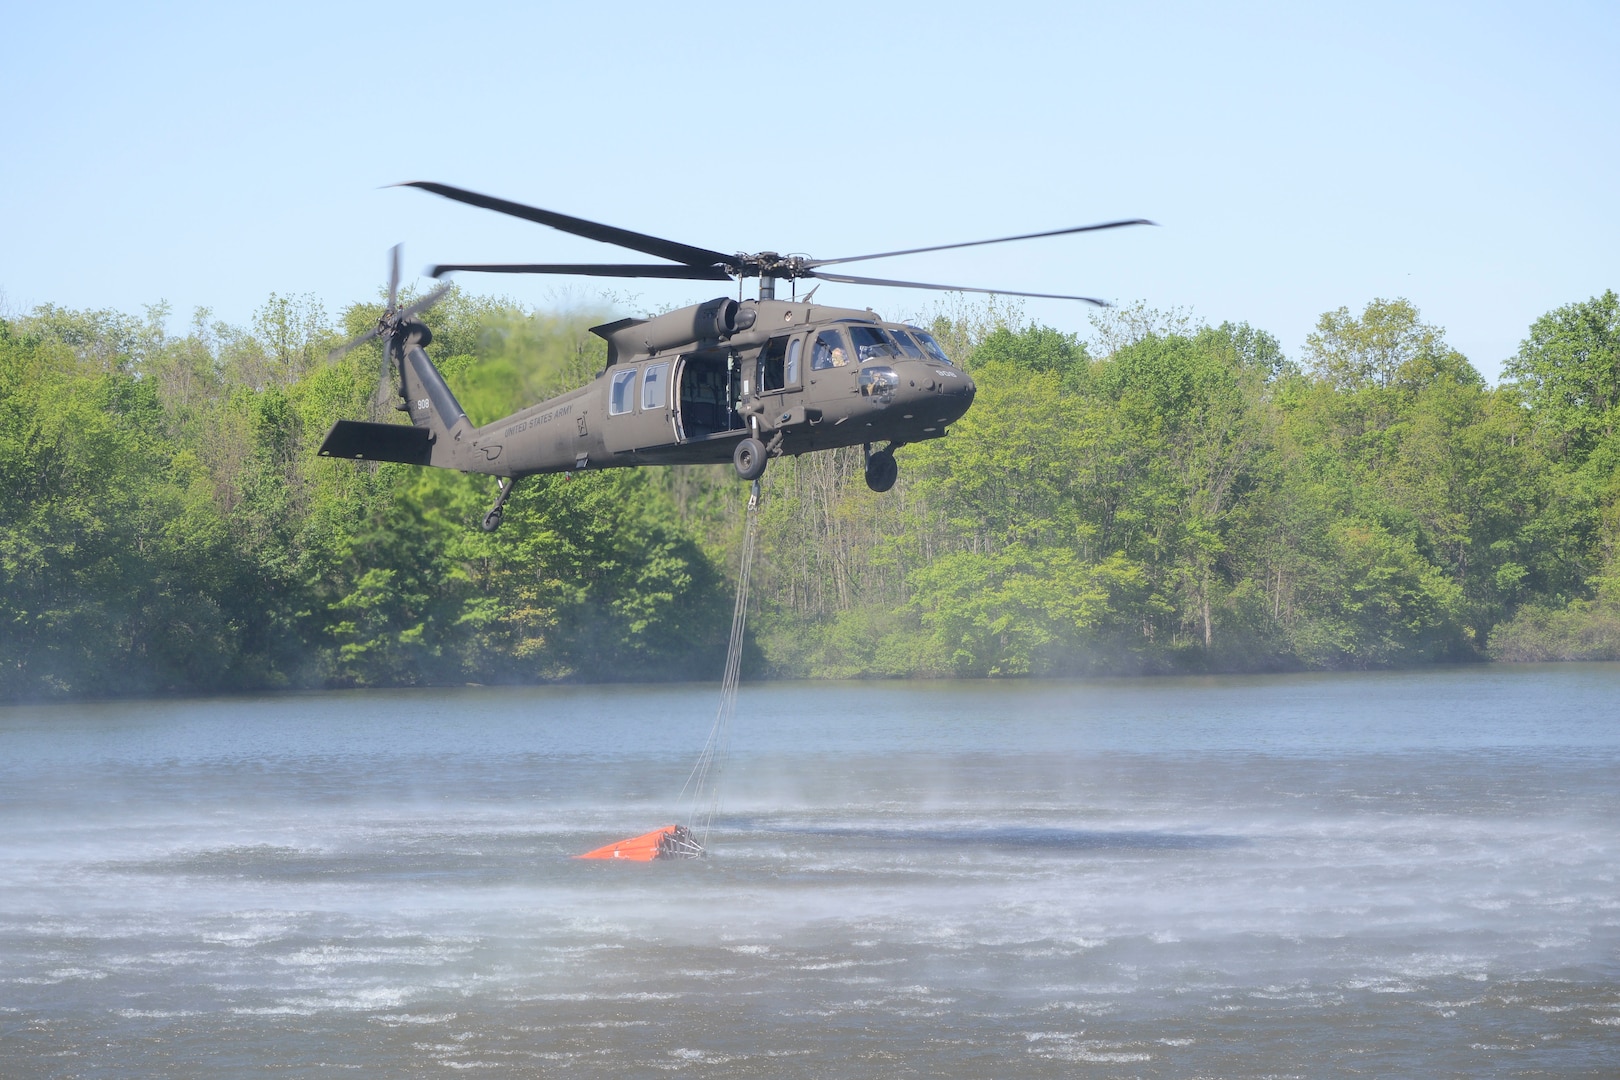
(829, 352)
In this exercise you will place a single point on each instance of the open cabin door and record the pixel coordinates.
(708, 386)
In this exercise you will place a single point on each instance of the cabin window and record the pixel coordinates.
(930, 346)
(619, 399)
(652, 386)
(795, 348)
(907, 346)
(830, 351)
(773, 365)
(872, 344)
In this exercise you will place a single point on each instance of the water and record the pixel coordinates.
(1326, 876)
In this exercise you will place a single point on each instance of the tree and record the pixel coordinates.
(1569, 368)
(1389, 345)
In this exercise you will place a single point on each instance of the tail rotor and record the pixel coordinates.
(389, 328)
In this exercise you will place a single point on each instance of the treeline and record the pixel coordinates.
(1170, 497)
(1191, 499)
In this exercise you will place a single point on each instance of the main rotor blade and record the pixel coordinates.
(608, 234)
(979, 243)
(393, 276)
(850, 280)
(647, 270)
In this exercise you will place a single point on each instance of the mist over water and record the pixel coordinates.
(1369, 875)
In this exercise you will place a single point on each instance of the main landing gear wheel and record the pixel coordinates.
(882, 471)
(749, 458)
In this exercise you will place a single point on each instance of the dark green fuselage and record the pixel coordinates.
(686, 388)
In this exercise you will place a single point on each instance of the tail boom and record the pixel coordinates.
(439, 432)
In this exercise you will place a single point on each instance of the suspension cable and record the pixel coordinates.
(701, 792)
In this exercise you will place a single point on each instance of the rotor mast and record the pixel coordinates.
(769, 266)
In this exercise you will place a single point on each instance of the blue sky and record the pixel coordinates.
(1299, 157)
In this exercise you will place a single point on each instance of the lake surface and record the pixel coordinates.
(1411, 874)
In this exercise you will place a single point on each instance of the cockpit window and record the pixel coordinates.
(830, 351)
(872, 344)
(926, 340)
(907, 346)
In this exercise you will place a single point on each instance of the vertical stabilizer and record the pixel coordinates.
(428, 400)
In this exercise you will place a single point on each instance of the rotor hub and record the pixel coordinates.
(769, 264)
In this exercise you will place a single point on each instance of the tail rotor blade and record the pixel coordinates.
(389, 324)
(383, 396)
(427, 301)
(393, 276)
(354, 344)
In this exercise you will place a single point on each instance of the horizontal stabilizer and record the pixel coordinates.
(357, 439)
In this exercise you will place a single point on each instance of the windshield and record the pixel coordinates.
(907, 346)
(871, 343)
(927, 341)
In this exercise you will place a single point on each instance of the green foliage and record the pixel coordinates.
(1168, 497)
(166, 526)
(1189, 499)
(1569, 368)
(1021, 610)
(1039, 349)
(1585, 630)
(1388, 346)
(118, 571)
(1375, 601)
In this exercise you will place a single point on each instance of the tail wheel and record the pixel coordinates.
(749, 458)
(882, 470)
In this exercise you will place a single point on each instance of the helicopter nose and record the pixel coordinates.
(960, 387)
(956, 394)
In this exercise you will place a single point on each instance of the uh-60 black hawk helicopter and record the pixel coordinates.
(743, 380)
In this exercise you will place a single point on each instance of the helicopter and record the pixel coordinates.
(727, 379)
